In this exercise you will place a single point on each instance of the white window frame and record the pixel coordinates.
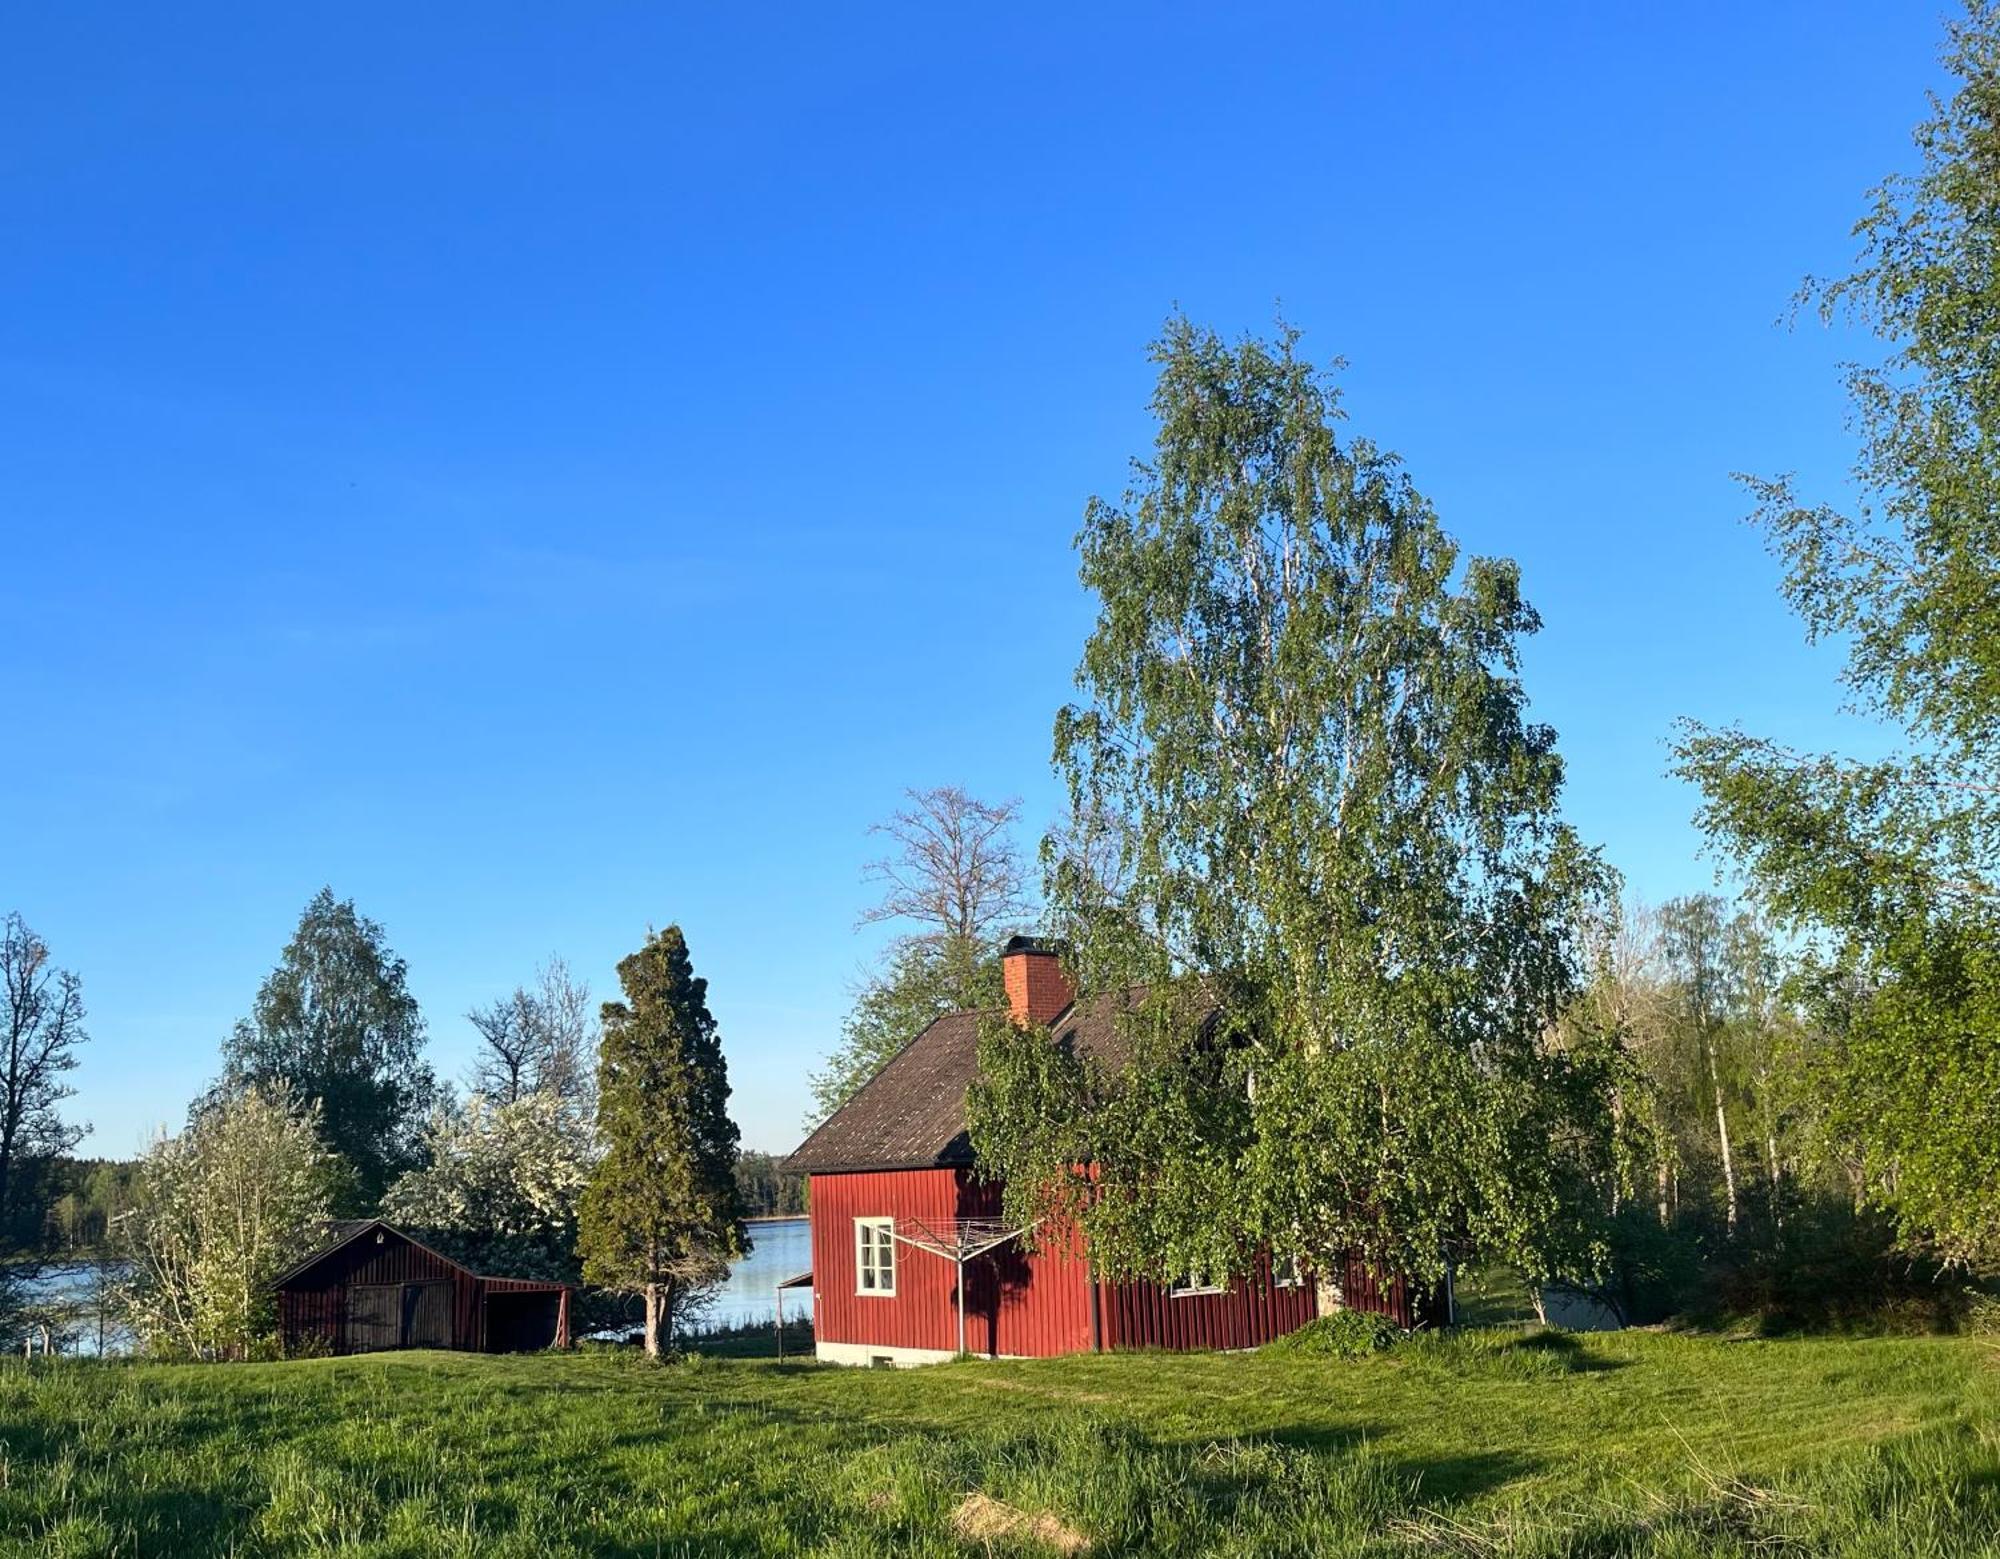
(873, 1238)
(1192, 1287)
(1287, 1274)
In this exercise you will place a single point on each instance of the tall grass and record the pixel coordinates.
(1500, 1443)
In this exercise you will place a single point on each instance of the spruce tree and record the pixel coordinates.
(662, 1216)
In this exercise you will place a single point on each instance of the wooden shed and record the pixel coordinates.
(369, 1286)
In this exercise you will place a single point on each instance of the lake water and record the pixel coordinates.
(780, 1248)
(77, 1289)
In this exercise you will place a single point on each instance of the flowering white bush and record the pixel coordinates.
(501, 1185)
(223, 1209)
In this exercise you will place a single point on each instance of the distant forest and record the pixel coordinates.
(767, 1191)
(68, 1209)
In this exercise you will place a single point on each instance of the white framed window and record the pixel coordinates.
(1285, 1273)
(875, 1257)
(1191, 1286)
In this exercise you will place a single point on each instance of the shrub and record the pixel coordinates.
(1346, 1334)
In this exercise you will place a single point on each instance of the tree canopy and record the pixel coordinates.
(336, 1026)
(223, 1209)
(1885, 868)
(662, 1215)
(500, 1185)
(41, 1027)
(1304, 731)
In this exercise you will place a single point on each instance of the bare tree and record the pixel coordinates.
(956, 870)
(567, 1025)
(954, 882)
(504, 1068)
(539, 1040)
(43, 1021)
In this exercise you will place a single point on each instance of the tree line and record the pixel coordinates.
(1391, 1004)
(590, 1146)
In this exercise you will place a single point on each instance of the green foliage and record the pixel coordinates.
(1644, 1445)
(662, 1215)
(84, 1196)
(1306, 746)
(1889, 865)
(41, 1028)
(765, 1190)
(921, 980)
(224, 1208)
(1346, 1334)
(335, 1024)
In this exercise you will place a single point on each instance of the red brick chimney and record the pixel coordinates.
(1037, 988)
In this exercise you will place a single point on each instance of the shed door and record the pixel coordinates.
(427, 1315)
(374, 1316)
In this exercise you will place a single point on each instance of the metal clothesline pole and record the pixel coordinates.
(959, 1241)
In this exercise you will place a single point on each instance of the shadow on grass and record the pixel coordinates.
(1439, 1480)
(1565, 1349)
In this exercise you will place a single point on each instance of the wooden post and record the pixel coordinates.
(780, 1292)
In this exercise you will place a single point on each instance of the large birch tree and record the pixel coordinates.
(1304, 731)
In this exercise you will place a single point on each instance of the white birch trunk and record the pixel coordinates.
(1722, 1132)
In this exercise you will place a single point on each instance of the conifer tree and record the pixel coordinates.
(662, 1216)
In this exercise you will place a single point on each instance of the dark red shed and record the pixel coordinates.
(369, 1286)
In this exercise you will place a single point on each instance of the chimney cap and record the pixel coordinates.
(1032, 944)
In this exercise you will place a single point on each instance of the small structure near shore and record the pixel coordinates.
(369, 1286)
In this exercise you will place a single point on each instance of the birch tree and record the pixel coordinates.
(1887, 867)
(1692, 933)
(1337, 823)
(335, 1024)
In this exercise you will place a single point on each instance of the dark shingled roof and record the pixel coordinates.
(911, 1114)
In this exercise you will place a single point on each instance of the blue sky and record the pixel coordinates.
(546, 472)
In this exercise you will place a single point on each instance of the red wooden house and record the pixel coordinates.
(911, 1263)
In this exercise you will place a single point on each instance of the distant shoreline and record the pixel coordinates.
(776, 1218)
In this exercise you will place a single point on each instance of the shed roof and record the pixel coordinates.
(911, 1114)
(338, 1233)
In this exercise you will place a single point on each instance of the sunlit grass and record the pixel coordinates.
(1497, 1443)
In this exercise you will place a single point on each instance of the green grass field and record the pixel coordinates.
(1484, 1444)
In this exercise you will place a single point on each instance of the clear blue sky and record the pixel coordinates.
(546, 472)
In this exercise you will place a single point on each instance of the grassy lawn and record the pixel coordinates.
(1487, 1443)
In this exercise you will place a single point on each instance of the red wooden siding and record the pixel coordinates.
(1027, 1306)
(1039, 1306)
(313, 1304)
(1246, 1314)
